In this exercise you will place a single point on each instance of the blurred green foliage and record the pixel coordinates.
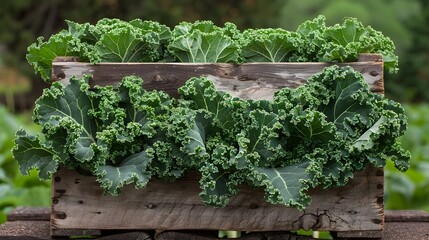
(23, 21)
(410, 190)
(404, 21)
(389, 16)
(15, 189)
(413, 80)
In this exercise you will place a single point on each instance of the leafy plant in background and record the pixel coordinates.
(344, 42)
(12, 83)
(410, 190)
(402, 20)
(15, 189)
(318, 134)
(114, 40)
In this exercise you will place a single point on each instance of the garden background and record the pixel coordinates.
(404, 21)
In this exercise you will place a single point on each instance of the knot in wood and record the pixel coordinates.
(253, 206)
(150, 206)
(60, 215)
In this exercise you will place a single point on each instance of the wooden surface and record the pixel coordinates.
(399, 225)
(29, 214)
(78, 203)
(249, 80)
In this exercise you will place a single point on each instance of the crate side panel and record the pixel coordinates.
(80, 204)
(251, 80)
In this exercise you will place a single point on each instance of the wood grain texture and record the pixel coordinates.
(395, 228)
(374, 235)
(188, 235)
(202, 235)
(79, 203)
(127, 236)
(406, 231)
(406, 216)
(21, 230)
(29, 214)
(249, 80)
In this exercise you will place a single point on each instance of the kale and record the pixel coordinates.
(114, 40)
(318, 134)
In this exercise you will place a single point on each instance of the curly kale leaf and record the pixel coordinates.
(85, 32)
(227, 111)
(130, 115)
(163, 32)
(68, 108)
(68, 130)
(346, 41)
(94, 130)
(307, 128)
(259, 142)
(132, 169)
(343, 42)
(366, 123)
(217, 185)
(285, 185)
(207, 151)
(203, 42)
(189, 129)
(135, 41)
(336, 124)
(30, 153)
(169, 162)
(218, 181)
(350, 101)
(270, 45)
(110, 40)
(41, 54)
(126, 45)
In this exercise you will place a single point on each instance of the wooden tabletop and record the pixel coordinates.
(33, 223)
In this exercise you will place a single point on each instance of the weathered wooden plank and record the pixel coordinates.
(406, 230)
(78, 203)
(19, 230)
(127, 236)
(203, 235)
(406, 216)
(395, 227)
(188, 235)
(370, 57)
(248, 80)
(29, 214)
(39, 230)
(285, 236)
(375, 235)
(65, 232)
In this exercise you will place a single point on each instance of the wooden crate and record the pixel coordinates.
(80, 208)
